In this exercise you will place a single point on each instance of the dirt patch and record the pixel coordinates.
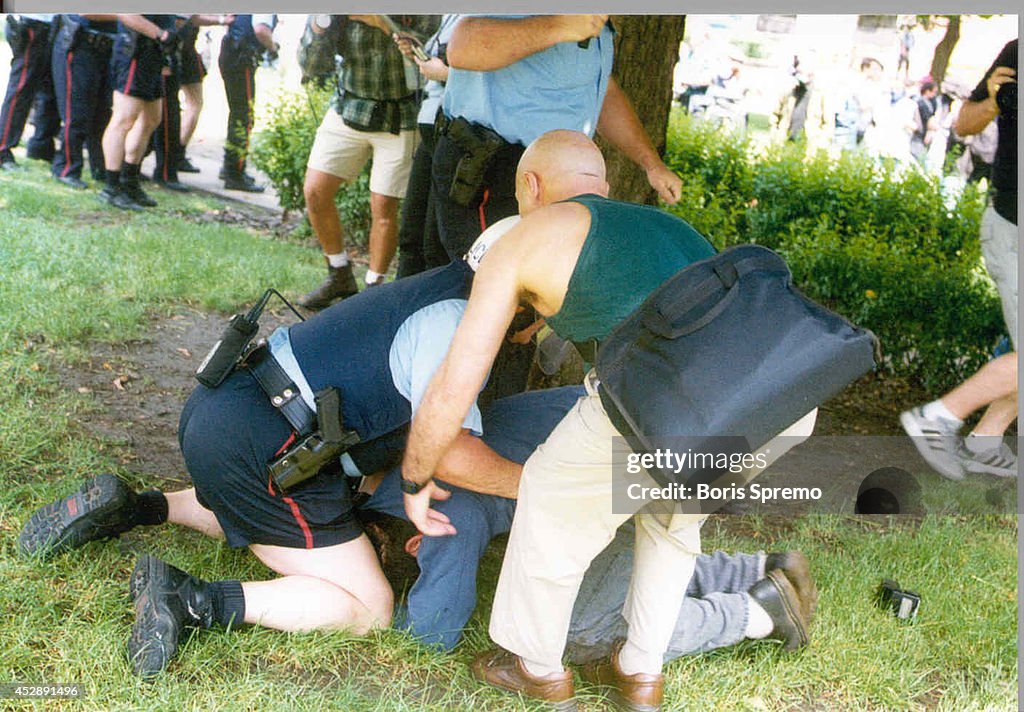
(251, 217)
(140, 386)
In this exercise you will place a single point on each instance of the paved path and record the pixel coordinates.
(207, 156)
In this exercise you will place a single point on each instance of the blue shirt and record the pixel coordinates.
(561, 87)
(351, 346)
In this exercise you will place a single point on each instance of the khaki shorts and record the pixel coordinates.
(343, 151)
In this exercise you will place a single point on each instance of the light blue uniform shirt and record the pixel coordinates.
(562, 87)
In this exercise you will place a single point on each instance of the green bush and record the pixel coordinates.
(282, 150)
(886, 249)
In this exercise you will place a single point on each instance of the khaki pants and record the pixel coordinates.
(564, 518)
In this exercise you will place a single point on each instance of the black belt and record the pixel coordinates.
(281, 390)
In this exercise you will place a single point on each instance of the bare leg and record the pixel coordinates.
(332, 587)
(183, 508)
(126, 110)
(998, 416)
(138, 138)
(190, 110)
(996, 380)
(383, 231)
(320, 189)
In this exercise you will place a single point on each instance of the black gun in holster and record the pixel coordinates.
(310, 455)
(480, 145)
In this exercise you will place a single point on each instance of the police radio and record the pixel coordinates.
(225, 354)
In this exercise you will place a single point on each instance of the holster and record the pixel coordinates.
(68, 32)
(129, 42)
(320, 437)
(479, 145)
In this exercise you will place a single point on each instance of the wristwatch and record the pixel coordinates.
(410, 487)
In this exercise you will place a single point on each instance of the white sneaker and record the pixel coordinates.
(999, 461)
(937, 440)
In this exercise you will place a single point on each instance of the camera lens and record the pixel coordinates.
(1006, 98)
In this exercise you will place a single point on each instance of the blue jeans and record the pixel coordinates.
(444, 595)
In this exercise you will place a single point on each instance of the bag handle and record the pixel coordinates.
(725, 274)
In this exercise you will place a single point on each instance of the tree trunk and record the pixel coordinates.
(944, 49)
(646, 51)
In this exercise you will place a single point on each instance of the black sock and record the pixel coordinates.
(228, 603)
(113, 179)
(150, 508)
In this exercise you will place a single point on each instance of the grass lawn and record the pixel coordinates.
(75, 272)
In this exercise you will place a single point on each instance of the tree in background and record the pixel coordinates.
(646, 51)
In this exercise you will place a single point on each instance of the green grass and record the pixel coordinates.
(74, 271)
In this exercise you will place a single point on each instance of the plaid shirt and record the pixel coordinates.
(372, 85)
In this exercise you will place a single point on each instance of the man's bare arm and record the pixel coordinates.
(455, 385)
(484, 44)
(974, 116)
(620, 126)
(141, 25)
(471, 464)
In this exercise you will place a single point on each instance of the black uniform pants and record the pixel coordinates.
(167, 136)
(81, 82)
(30, 69)
(240, 90)
(460, 225)
(419, 241)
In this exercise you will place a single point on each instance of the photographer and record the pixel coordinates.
(372, 114)
(935, 427)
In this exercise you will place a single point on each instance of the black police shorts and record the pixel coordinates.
(191, 70)
(138, 76)
(227, 437)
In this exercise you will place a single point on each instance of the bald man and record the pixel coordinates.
(585, 263)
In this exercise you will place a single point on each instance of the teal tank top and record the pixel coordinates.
(628, 252)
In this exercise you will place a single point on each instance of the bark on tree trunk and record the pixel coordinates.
(646, 51)
(944, 49)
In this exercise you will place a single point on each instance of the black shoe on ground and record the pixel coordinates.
(102, 508)
(72, 182)
(167, 601)
(340, 283)
(776, 595)
(242, 181)
(45, 153)
(138, 195)
(7, 163)
(118, 198)
(174, 185)
(186, 166)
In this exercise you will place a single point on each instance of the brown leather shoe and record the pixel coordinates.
(797, 569)
(776, 595)
(503, 669)
(641, 692)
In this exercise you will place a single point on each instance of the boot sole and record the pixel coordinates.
(75, 520)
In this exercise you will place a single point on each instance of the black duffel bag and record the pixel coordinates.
(725, 354)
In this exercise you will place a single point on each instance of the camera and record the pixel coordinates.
(901, 602)
(1006, 98)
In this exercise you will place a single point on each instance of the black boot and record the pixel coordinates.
(167, 601)
(186, 166)
(130, 177)
(240, 180)
(102, 508)
(340, 283)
